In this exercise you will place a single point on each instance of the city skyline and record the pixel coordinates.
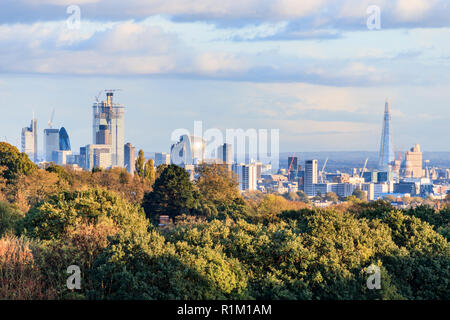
(314, 70)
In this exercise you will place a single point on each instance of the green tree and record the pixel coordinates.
(149, 171)
(16, 163)
(361, 195)
(173, 194)
(140, 163)
(9, 218)
(52, 218)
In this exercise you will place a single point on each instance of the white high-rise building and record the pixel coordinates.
(29, 140)
(310, 177)
(108, 127)
(247, 176)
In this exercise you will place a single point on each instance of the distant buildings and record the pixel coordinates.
(29, 140)
(162, 158)
(225, 153)
(292, 168)
(96, 156)
(413, 163)
(130, 158)
(247, 176)
(386, 156)
(310, 177)
(108, 128)
(189, 150)
(51, 143)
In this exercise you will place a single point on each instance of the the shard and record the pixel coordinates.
(386, 147)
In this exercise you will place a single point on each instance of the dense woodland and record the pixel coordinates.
(219, 245)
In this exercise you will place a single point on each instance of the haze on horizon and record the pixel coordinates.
(311, 69)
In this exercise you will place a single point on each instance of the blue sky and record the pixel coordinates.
(310, 68)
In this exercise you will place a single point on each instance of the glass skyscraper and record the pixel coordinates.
(386, 156)
(64, 141)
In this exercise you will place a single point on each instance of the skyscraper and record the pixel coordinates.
(29, 140)
(51, 143)
(413, 164)
(130, 158)
(225, 153)
(310, 177)
(386, 156)
(108, 126)
(64, 141)
(247, 176)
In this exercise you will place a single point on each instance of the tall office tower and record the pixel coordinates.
(64, 141)
(162, 158)
(246, 174)
(292, 168)
(413, 165)
(108, 126)
(189, 150)
(258, 165)
(310, 177)
(225, 153)
(51, 143)
(130, 158)
(29, 140)
(386, 156)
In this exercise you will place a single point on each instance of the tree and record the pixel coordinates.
(331, 196)
(52, 218)
(173, 194)
(149, 171)
(9, 218)
(303, 196)
(220, 188)
(16, 163)
(361, 195)
(140, 162)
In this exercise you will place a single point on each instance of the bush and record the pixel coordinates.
(51, 219)
(9, 218)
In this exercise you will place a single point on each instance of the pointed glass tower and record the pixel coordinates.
(386, 146)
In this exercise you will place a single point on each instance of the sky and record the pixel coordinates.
(312, 69)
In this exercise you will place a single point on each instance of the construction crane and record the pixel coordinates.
(364, 168)
(290, 164)
(112, 90)
(50, 122)
(322, 180)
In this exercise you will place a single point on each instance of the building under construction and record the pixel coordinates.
(108, 127)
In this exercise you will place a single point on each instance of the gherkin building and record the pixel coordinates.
(64, 141)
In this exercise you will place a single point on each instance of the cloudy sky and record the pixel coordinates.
(311, 68)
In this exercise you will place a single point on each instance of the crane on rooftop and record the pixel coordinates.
(50, 122)
(322, 180)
